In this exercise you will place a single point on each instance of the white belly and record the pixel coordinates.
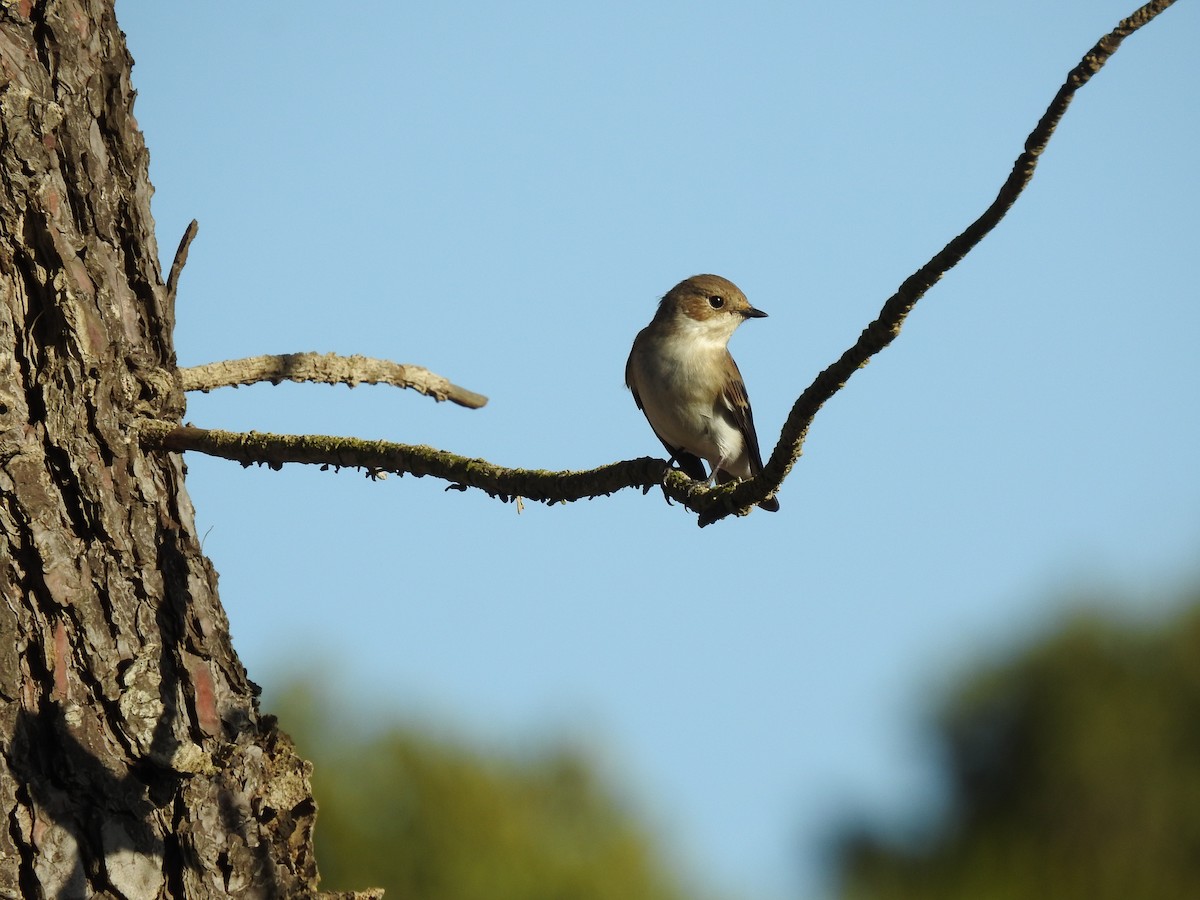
(686, 408)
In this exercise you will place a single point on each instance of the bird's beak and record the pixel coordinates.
(752, 313)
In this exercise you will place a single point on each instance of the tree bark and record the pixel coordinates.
(135, 762)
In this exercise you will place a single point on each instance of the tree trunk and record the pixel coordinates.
(135, 760)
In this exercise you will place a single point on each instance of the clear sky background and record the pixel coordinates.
(501, 192)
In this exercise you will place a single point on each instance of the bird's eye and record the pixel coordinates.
(716, 302)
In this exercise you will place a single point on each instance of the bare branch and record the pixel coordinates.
(326, 368)
(884, 329)
(550, 487)
(181, 255)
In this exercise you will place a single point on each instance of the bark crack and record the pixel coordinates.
(27, 877)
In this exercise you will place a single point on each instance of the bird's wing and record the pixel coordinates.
(629, 379)
(737, 403)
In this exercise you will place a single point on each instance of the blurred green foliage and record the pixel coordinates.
(429, 819)
(1074, 773)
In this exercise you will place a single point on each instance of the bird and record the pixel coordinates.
(686, 383)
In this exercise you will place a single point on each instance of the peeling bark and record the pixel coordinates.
(134, 762)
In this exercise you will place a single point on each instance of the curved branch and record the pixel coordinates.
(326, 368)
(884, 329)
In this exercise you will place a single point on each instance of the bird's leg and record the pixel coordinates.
(663, 482)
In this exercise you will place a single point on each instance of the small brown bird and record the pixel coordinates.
(689, 387)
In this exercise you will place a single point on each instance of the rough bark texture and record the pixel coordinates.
(134, 761)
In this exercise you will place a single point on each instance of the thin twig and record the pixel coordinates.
(326, 368)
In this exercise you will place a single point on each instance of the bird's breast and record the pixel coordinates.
(681, 387)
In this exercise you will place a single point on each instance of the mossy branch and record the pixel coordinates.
(378, 457)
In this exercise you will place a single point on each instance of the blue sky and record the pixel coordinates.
(501, 192)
